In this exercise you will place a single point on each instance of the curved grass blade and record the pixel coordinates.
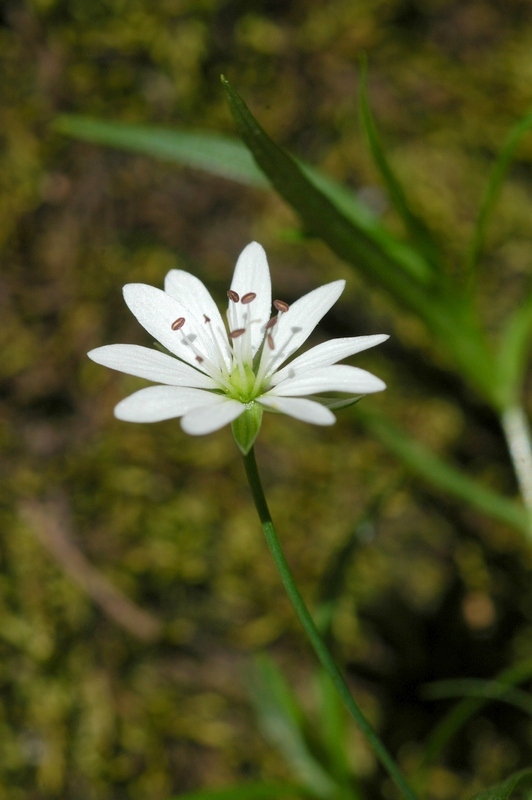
(458, 716)
(437, 472)
(415, 226)
(492, 191)
(472, 687)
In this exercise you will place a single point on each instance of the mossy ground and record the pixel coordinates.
(90, 709)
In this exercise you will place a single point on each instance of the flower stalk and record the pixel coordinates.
(311, 630)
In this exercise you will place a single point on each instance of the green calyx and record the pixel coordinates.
(247, 426)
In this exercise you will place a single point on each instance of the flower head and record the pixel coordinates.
(217, 375)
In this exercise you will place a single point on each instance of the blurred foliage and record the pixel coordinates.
(430, 590)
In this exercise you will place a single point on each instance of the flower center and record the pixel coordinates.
(242, 382)
(243, 379)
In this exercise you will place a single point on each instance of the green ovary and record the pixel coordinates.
(242, 381)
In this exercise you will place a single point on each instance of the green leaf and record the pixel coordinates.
(415, 226)
(230, 158)
(321, 218)
(248, 791)
(219, 155)
(493, 189)
(246, 427)
(519, 782)
(437, 472)
(347, 203)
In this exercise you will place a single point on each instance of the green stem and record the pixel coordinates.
(306, 620)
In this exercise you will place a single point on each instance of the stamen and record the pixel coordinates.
(248, 298)
(232, 295)
(237, 333)
(210, 369)
(267, 359)
(221, 356)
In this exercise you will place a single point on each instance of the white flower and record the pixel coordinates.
(214, 376)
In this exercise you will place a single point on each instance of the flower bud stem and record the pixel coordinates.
(311, 630)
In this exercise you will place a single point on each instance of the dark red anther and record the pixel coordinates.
(233, 296)
(269, 339)
(271, 323)
(237, 333)
(199, 359)
(280, 305)
(178, 323)
(206, 318)
(248, 298)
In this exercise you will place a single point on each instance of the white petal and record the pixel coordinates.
(338, 378)
(300, 408)
(327, 353)
(251, 274)
(164, 402)
(156, 311)
(295, 326)
(193, 294)
(150, 364)
(207, 420)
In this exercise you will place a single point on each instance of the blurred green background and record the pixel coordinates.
(135, 584)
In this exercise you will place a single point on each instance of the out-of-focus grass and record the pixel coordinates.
(432, 590)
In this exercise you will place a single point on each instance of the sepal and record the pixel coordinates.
(246, 427)
(336, 404)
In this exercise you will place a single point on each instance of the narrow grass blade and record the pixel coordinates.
(473, 687)
(491, 194)
(332, 728)
(282, 722)
(437, 472)
(415, 226)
